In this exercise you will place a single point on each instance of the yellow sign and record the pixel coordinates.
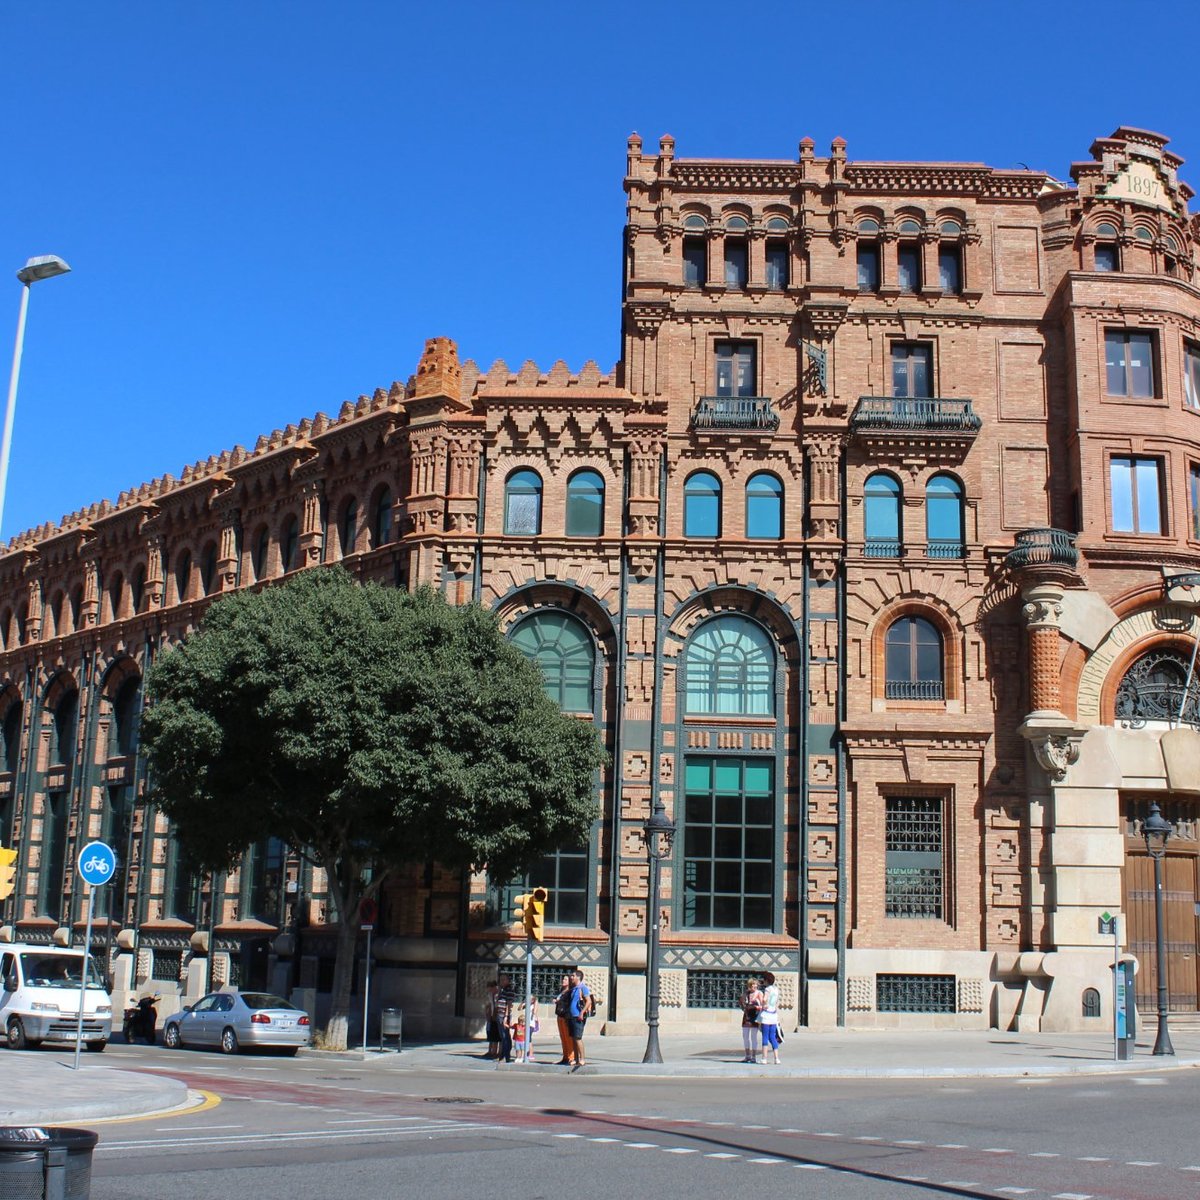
(1141, 183)
(8, 871)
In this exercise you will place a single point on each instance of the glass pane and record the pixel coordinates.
(727, 877)
(898, 655)
(727, 912)
(1139, 353)
(699, 808)
(1149, 507)
(1194, 481)
(698, 776)
(929, 661)
(1191, 376)
(908, 269)
(949, 269)
(695, 262)
(736, 263)
(728, 811)
(760, 810)
(777, 266)
(757, 778)
(585, 505)
(1114, 362)
(758, 843)
(920, 375)
(756, 912)
(697, 841)
(868, 268)
(572, 871)
(727, 841)
(882, 509)
(745, 383)
(571, 908)
(764, 507)
(1106, 257)
(702, 516)
(1121, 487)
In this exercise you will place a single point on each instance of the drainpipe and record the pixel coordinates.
(656, 705)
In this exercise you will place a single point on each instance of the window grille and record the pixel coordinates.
(915, 993)
(546, 978)
(913, 868)
(715, 989)
(1091, 1002)
(1155, 687)
(167, 965)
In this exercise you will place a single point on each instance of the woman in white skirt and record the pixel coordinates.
(751, 1004)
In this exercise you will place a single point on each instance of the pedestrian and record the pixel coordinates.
(581, 1006)
(751, 1004)
(491, 1028)
(769, 1019)
(506, 1008)
(562, 1014)
(525, 1026)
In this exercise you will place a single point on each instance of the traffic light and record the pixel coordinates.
(8, 872)
(521, 909)
(535, 913)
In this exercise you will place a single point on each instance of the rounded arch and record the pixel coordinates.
(564, 650)
(1154, 645)
(909, 673)
(764, 505)
(729, 668)
(585, 503)
(523, 502)
(945, 516)
(12, 715)
(120, 690)
(695, 218)
(1160, 684)
(702, 505)
(529, 598)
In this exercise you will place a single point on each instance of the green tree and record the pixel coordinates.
(367, 727)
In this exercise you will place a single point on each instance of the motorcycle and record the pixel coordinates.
(141, 1020)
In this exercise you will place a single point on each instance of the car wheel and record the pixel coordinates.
(16, 1035)
(97, 1047)
(289, 1051)
(171, 1038)
(229, 1042)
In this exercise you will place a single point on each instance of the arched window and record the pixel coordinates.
(764, 506)
(914, 661)
(730, 670)
(702, 506)
(1107, 251)
(115, 590)
(563, 649)
(12, 740)
(348, 531)
(288, 545)
(137, 587)
(76, 606)
(183, 577)
(1155, 688)
(881, 498)
(52, 616)
(944, 518)
(381, 524)
(262, 552)
(208, 568)
(585, 504)
(62, 747)
(868, 255)
(523, 503)
(123, 730)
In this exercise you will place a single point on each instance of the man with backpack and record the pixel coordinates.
(582, 1006)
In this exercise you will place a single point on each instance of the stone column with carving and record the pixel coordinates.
(33, 618)
(312, 532)
(227, 550)
(645, 462)
(90, 609)
(824, 451)
(1053, 738)
(155, 582)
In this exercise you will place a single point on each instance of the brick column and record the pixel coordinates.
(1042, 610)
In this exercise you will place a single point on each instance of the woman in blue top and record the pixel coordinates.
(769, 1019)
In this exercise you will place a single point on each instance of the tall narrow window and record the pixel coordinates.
(913, 666)
(208, 568)
(702, 506)
(381, 524)
(564, 651)
(695, 262)
(1194, 495)
(728, 843)
(349, 530)
(1129, 363)
(137, 587)
(764, 506)
(183, 577)
(913, 869)
(736, 369)
(1106, 253)
(54, 852)
(912, 369)
(868, 266)
(1136, 486)
(523, 504)
(262, 552)
(123, 731)
(950, 267)
(12, 742)
(908, 267)
(585, 504)
(1191, 375)
(289, 544)
(737, 263)
(944, 518)
(881, 502)
(730, 669)
(778, 265)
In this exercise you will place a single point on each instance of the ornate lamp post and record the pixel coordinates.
(659, 834)
(1156, 829)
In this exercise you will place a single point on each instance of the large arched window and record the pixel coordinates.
(523, 503)
(1156, 688)
(289, 544)
(944, 529)
(585, 504)
(881, 501)
(764, 506)
(122, 738)
(730, 670)
(563, 649)
(702, 506)
(381, 523)
(913, 650)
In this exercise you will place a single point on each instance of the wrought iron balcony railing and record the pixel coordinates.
(914, 689)
(908, 414)
(1035, 547)
(735, 412)
(881, 548)
(945, 548)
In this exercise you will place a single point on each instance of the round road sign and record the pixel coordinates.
(97, 862)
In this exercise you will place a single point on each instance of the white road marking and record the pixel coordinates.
(369, 1120)
(1092, 1158)
(642, 1145)
(765, 1160)
(568, 1135)
(756, 1127)
(1143, 1164)
(722, 1154)
(193, 1128)
(791, 1130)
(1072, 1196)
(952, 1146)
(603, 1139)
(908, 1142)
(305, 1136)
(1045, 1154)
(810, 1166)
(1148, 1082)
(996, 1150)
(1015, 1191)
(959, 1183)
(1189, 1168)
(680, 1150)
(866, 1137)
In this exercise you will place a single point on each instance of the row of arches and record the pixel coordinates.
(883, 516)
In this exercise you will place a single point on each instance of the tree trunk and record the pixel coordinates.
(337, 1031)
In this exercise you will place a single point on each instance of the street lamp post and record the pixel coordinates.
(659, 833)
(44, 267)
(1156, 829)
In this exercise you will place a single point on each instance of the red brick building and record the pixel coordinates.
(869, 560)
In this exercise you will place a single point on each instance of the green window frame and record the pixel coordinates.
(729, 669)
(564, 650)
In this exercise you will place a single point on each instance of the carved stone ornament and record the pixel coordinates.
(1056, 754)
(1042, 613)
(642, 560)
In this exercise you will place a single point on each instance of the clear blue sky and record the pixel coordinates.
(270, 205)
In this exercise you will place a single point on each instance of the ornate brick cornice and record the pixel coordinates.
(940, 179)
(702, 176)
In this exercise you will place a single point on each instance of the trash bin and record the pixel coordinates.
(391, 1026)
(46, 1164)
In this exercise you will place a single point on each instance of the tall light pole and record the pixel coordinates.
(44, 267)
(659, 834)
(1156, 829)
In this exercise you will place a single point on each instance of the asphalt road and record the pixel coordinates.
(290, 1129)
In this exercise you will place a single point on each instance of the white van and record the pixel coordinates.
(39, 997)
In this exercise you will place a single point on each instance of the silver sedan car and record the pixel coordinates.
(232, 1020)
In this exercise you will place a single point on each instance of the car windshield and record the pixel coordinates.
(265, 1000)
(58, 970)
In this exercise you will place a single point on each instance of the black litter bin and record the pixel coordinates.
(46, 1163)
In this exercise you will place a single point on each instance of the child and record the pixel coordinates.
(519, 1030)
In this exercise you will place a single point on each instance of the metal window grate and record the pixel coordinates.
(546, 978)
(915, 993)
(715, 989)
(167, 965)
(913, 868)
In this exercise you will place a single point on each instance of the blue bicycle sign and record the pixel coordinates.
(97, 862)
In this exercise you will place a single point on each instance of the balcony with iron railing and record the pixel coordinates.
(1042, 547)
(753, 414)
(914, 414)
(914, 689)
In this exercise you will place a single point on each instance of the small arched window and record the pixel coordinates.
(262, 553)
(562, 647)
(523, 504)
(52, 616)
(702, 506)
(116, 591)
(1107, 249)
(913, 655)
(381, 522)
(76, 605)
(764, 506)
(12, 736)
(868, 255)
(289, 544)
(137, 587)
(183, 577)
(881, 503)
(585, 504)
(348, 530)
(944, 528)
(730, 669)
(208, 568)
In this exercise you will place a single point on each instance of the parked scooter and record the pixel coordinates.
(141, 1020)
